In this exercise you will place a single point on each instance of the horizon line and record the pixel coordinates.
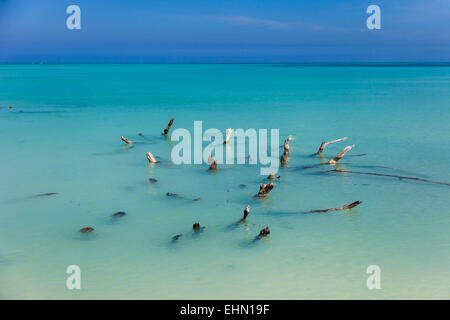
(330, 63)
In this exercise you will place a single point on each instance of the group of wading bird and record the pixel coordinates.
(265, 188)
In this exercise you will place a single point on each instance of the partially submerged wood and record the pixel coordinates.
(196, 226)
(265, 188)
(119, 214)
(166, 130)
(246, 213)
(390, 175)
(284, 160)
(173, 195)
(228, 135)
(87, 230)
(45, 194)
(176, 237)
(341, 154)
(345, 207)
(264, 232)
(126, 140)
(272, 176)
(324, 144)
(286, 145)
(151, 158)
(285, 157)
(213, 166)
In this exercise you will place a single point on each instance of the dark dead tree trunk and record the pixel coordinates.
(346, 207)
(166, 130)
(213, 166)
(265, 188)
(286, 146)
(285, 157)
(264, 232)
(246, 213)
(271, 176)
(284, 160)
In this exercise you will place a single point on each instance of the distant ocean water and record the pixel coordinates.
(63, 136)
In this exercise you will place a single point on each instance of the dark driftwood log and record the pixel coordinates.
(166, 130)
(286, 146)
(347, 206)
(246, 213)
(272, 177)
(264, 232)
(45, 194)
(87, 230)
(173, 195)
(126, 140)
(390, 175)
(284, 160)
(196, 226)
(341, 154)
(213, 166)
(119, 214)
(176, 237)
(265, 188)
(324, 144)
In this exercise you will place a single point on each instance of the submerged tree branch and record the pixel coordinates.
(151, 158)
(265, 188)
(324, 144)
(126, 140)
(166, 130)
(345, 207)
(213, 166)
(390, 175)
(341, 154)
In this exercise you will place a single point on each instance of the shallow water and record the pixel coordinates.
(63, 136)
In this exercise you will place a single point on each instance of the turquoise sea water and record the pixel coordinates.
(63, 135)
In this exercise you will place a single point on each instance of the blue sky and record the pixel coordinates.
(224, 31)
